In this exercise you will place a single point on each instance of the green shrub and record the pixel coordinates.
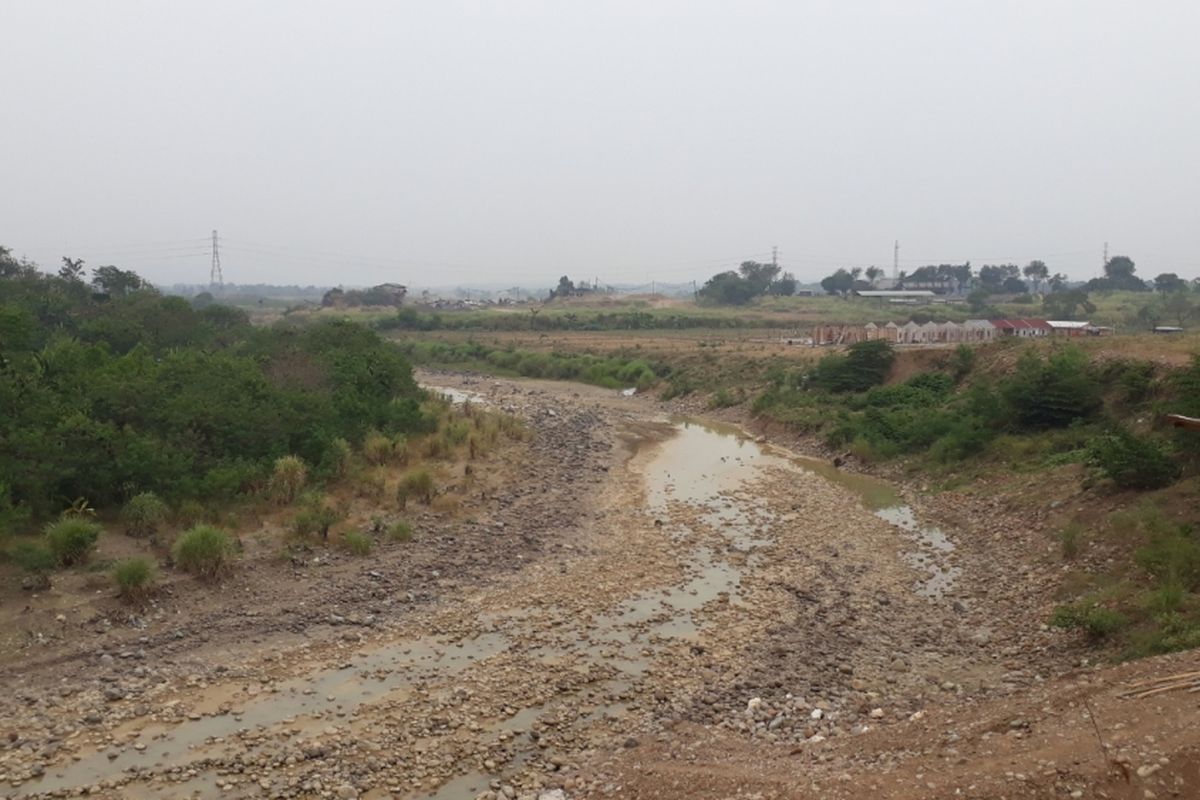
(32, 556)
(191, 512)
(337, 458)
(377, 448)
(1172, 556)
(204, 551)
(71, 539)
(418, 483)
(288, 478)
(400, 531)
(1054, 392)
(1133, 462)
(864, 365)
(679, 386)
(723, 398)
(1069, 537)
(1174, 631)
(134, 578)
(1098, 622)
(317, 516)
(143, 514)
(962, 362)
(1166, 598)
(357, 543)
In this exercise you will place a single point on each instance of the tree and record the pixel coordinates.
(1037, 271)
(728, 288)
(840, 282)
(785, 286)
(1151, 315)
(1014, 285)
(1064, 305)
(565, 288)
(71, 270)
(1058, 282)
(117, 282)
(992, 276)
(1169, 282)
(874, 274)
(978, 300)
(962, 275)
(1118, 276)
(759, 276)
(1180, 308)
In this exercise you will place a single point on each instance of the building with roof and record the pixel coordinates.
(1023, 328)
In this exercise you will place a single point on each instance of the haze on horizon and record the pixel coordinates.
(458, 142)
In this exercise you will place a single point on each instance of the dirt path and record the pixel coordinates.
(650, 603)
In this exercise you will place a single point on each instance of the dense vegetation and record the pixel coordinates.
(109, 390)
(613, 372)
(1050, 409)
(1073, 408)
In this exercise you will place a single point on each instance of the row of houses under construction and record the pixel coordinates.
(973, 330)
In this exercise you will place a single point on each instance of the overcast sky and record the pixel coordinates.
(438, 142)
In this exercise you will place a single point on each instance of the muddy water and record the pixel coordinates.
(709, 447)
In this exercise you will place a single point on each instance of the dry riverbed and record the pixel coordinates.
(643, 583)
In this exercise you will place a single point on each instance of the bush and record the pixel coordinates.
(418, 483)
(143, 515)
(71, 539)
(288, 478)
(377, 448)
(864, 365)
(337, 458)
(32, 557)
(318, 516)
(134, 578)
(191, 512)
(1069, 538)
(1098, 622)
(204, 551)
(1055, 392)
(723, 398)
(356, 543)
(400, 531)
(962, 362)
(1133, 462)
(1172, 556)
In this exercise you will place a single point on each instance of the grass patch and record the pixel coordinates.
(134, 579)
(357, 543)
(204, 551)
(144, 514)
(71, 540)
(400, 531)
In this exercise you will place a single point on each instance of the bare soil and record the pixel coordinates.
(627, 605)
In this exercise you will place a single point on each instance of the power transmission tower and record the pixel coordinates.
(774, 257)
(1105, 262)
(896, 260)
(214, 277)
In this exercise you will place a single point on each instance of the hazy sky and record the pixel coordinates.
(439, 142)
